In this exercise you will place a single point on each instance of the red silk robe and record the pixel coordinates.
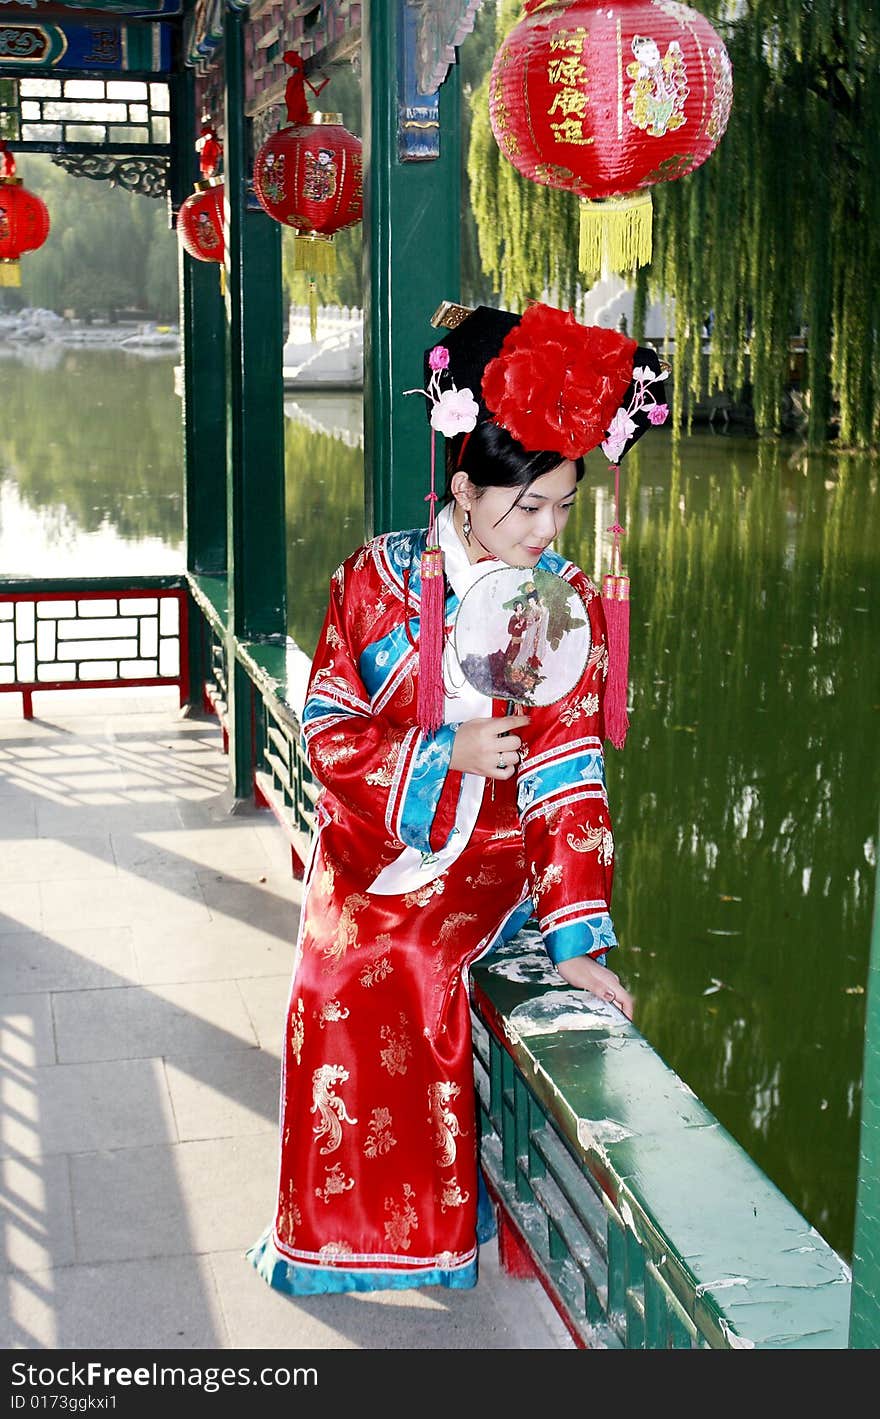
(416, 871)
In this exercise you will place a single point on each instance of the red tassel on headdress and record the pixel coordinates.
(615, 603)
(432, 623)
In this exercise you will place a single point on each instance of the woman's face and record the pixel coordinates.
(530, 524)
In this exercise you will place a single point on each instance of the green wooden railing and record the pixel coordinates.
(645, 1220)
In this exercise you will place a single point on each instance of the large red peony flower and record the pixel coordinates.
(556, 384)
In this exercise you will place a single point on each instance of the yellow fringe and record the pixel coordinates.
(223, 279)
(615, 233)
(315, 254)
(10, 273)
(313, 310)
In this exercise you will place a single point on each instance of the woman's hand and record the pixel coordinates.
(587, 974)
(489, 747)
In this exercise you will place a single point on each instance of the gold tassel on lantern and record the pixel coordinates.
(615, 233)
(10, 273)
(315, 254)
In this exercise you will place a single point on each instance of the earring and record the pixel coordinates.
(466, 527)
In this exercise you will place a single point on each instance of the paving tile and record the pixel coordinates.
(122, 900)
(37, 1213)
(67, 959)
(273, 903)
(140, 1022)
(169, 1303)
(220, 950)
(27, 1033)
(52, 859)
(74, 1108)
(18, 813)
(20, 906)
(214, 848)
(224, 1095)
(266, 1000)
(193, 1197)
(60, 819)
(498, 1313)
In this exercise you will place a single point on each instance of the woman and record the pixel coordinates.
(432, 847)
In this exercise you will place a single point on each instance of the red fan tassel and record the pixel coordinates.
(615, 603)
(432, 623)
(431, 626)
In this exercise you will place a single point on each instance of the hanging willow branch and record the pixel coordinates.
(777, 234)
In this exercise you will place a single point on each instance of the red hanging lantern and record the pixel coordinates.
(604, 101)
(24, 220)
(200, 219)
(309, 176)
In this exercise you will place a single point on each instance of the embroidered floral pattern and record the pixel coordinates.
(404, 1219)
(335, 1182)
(452, 1195)
(383, 776)
(324, 883)
(452, 926)
(443, 1121)
(335, 1251)
(422, 895)
(587, 705)
(331, 1011)
(398, 1048)
(486, 877)
(380, 1139)
(330, 755)
(289, 1215)
(331, 1109)
(297, 1030)
(542, 882)
(598, 659)
(371, 975)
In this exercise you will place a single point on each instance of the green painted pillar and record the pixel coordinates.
(256, 568)
(412, 262)
(203, 359)
(864, 1331)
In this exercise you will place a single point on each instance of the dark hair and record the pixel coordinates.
(493, 458)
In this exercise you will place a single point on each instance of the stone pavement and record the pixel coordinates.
(145, 947)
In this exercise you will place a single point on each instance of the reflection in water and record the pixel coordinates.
(746, 800)
(90, 465)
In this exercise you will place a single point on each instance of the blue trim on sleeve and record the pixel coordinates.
(427, 776)
(538, 783)
(581, 938)
(377, 660)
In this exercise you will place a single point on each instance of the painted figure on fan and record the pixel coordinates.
(434, 845)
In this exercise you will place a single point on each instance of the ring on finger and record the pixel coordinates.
(501, 763)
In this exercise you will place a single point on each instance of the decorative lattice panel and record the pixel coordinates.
(64, 640)
(125, 114)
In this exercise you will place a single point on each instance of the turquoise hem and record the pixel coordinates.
(296, 1279)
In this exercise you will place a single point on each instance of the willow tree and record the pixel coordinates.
(776, 235)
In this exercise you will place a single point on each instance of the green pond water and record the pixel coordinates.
(746, 800)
